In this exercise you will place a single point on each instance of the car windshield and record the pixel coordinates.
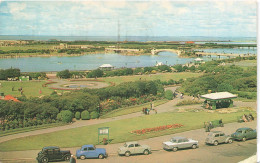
(173, 140)
(239, 131)
(125, 145)
(210, 134)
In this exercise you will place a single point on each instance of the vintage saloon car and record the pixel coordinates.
(244, 134)
(52, 153)
(130, 148)
(180, 142)
(89, 151)
(217, 137)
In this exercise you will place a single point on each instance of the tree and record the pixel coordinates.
(64, 74)
(94, 115)
(95, 73)
(224, 87)
(168, 95)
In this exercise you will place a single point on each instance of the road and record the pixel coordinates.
(224, 153)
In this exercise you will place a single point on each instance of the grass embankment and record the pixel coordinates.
(32, 128)
(159, 76)
(132, 109)
(120, 130)
(30, 88)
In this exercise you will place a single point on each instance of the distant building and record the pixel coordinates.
(198, 60)
(189, 42)
(106, 67)
(159, 64)
(66, 46)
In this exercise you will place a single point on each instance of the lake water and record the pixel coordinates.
(91, 61)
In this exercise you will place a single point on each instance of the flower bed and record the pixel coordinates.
(154, 129)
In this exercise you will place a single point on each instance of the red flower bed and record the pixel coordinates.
(159, 128)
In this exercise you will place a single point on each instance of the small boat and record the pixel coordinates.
(59, 63)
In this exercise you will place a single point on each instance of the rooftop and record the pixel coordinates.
(106, 65)
(218, 95)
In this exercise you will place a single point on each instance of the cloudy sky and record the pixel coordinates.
(133, 18)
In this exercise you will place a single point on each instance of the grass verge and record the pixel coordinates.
(27, 129)
(132, 109)
(120, 130)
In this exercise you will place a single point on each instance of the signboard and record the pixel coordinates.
(103, 131)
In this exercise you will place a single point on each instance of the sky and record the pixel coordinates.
(129, 18)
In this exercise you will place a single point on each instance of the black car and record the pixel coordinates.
(53, 154)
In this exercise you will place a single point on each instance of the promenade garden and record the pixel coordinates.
(128, 95)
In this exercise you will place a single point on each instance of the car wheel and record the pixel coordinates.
(146, 152)
(244, 139)
(127, 154)
(194, 146)
(45, 160)
(67, 158)
(174, 149)
(215, 143)
(230, 141)
(100, 156)
(82, 157)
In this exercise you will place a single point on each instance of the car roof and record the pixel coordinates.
(217, 132)
(178, 137)
(244, 128)
(50, 147)
(132, 142)
(88, 145)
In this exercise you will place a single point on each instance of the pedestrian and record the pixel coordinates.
(198, 96)
(174, 94)
(148, 110)
(72, 159)
(151, 106)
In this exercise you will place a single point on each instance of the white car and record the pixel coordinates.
(179, 143)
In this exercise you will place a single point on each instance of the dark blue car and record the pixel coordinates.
(90, 151)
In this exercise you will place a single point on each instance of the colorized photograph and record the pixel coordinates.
(123, 81)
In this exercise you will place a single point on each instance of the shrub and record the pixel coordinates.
(66, 116)
(169, 94)
(94, 115)
(58, 118)
(85, 115)
(77, 115)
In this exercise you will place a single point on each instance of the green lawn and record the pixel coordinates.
(120, 130)
(30, 88)
(161, 76)
(133, 109)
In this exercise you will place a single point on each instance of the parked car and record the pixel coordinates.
(52, 153)
(130, 148)
(179, 143)
(90, 151)
(244, 134)
(217, 137)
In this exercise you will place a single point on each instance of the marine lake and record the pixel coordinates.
(92, 61)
